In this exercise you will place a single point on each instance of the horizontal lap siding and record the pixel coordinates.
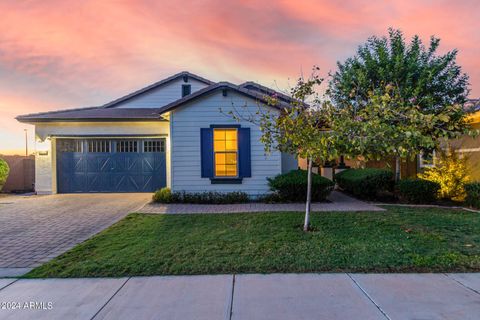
(186, 122)
(163, 95)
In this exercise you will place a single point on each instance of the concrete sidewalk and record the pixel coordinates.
(246, 297)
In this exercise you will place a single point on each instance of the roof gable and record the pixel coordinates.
(217, 87)
(184, 74)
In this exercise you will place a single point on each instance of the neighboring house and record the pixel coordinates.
(469, 147)
(173, 133)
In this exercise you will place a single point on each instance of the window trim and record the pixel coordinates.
(217, 179)
(421, 163)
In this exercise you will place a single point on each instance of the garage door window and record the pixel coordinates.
(127, 146)
(154, 146)
(95, 146)
(70, 145)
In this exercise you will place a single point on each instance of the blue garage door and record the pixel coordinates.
(110, 165)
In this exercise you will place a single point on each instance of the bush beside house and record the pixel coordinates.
(418, 190)
(451, 173)
(473, 194)
(4, 171)
(165, 195)
(288, 187)
(365, 183)
(292, 186)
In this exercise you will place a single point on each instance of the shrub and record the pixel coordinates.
(292, 186)
(164, 195)
(365, 183)
(473, 194)
(418, 190)
(4, 171)
(451, 173)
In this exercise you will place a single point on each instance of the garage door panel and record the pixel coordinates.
(111, 172)
(99, 162)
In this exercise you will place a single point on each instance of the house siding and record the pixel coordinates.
(162, 95)
(186, 122)
(289, 162)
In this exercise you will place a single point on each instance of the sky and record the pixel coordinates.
(58, 54)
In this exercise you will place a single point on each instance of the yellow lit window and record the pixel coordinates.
(225, 149)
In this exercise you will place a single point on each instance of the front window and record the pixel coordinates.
(225, 149)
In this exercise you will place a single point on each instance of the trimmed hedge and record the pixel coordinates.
(4, 171)
(165, 195)
(418, 190)
(292, 186)
(365, 183)
(473, 194)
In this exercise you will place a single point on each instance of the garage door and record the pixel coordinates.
(110, 165)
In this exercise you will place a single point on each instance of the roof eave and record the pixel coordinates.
(37, 120)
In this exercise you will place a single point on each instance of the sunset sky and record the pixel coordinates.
(63, 54)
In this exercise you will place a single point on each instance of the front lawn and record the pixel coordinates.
(398, 240)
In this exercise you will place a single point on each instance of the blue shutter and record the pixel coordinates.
(244, 153)
(206, 149)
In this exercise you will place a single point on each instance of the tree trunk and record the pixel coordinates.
(306, 225)
(397, 169)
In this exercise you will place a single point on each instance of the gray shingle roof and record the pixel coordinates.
(108, 112)
(250, 85)
(95, 114)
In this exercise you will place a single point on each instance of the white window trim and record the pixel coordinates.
(421, 162)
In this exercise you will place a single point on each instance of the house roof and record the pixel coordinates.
(155, 85)
(250, 85)
(472, 105)
(95, 114)
(255, 94)
(108, 112)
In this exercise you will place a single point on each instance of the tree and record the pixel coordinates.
(388, 125)
(423, 79)
(301, 129)
(4, 171)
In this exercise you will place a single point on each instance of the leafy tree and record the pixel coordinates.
(4, 171)
(422, 78)
(387, 125)
(301, 129)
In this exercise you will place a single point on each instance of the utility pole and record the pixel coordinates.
(26, 143)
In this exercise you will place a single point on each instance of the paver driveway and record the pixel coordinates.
(36, 229)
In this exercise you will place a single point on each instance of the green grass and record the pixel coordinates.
(398, 240)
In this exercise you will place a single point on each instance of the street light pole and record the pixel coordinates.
(26, 143)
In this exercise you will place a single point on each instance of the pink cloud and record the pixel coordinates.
(61, 53)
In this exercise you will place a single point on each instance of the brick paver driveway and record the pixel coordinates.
(36, 229)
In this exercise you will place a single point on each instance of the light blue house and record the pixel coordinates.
(174, 133)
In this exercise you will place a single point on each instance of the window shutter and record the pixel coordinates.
(206, 149)
(244, 153)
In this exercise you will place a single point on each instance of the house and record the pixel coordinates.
(174, 133)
